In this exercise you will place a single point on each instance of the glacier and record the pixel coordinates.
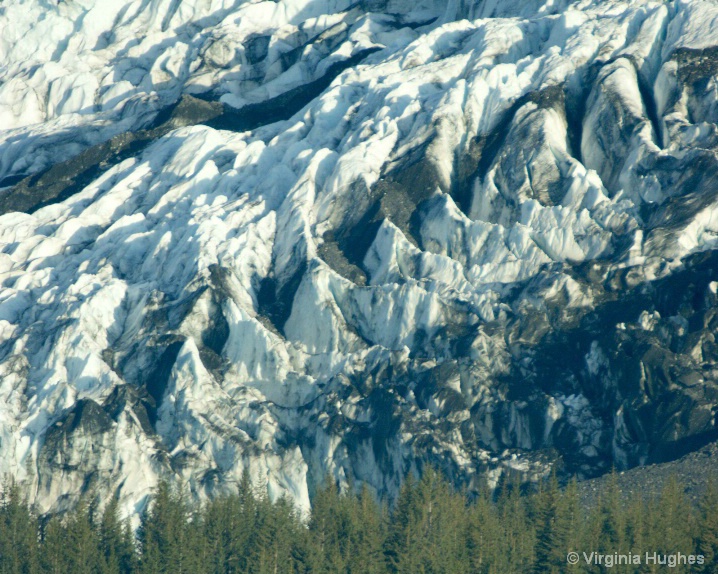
(323, 238)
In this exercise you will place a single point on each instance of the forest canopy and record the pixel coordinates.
(431, 528)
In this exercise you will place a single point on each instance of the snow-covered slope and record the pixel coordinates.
(312, 237)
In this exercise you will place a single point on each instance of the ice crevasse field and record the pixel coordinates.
(311, 238)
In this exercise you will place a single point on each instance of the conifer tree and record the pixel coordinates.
(590, 534)
(573, 519)
(485, 537)
(271, 550)
(53, 551)
(428, 528)
(152, 531)
(520, 534)
(18, 533)
(403, 537)
(671, 522)
(368, 518)
(217, 519)
(443, 525)
(326, 527)
(165, 531)
(706, 537)
(116, 544)
(243, 525)
(83, 545)
(431, 530)
(613, 519)
(229, 524)
(555, 519)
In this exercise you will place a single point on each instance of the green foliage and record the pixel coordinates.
(486, 539)
(117, 552)
(53, 557)
(432, 529)
(427, 528)
(556, 516)
(519, 529)
(170, 536)
(18, 533)
(706, 530)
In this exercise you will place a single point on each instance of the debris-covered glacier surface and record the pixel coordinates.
(305, 238)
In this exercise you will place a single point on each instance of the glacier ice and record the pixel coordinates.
(409, 233)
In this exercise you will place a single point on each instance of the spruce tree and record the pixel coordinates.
(613, 519)
(402, 541)
(242, 526)
(428, 528)
(272, 547)
(431, 530)
(217, 526)
(83, 545)
(18, 533)
(554, 519)
(116, 542)
(637, 529)
(443, 525)
(520, 534)
(329, 552)
(672, 522)
(706, 530)
(572, 518)
(486, 537)
(368, 519)
(165, 539)
(53, 551)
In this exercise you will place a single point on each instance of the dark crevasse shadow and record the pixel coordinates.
(65, 179)
(660, 380)
(284, 106)
(28, 192)
(143, 113)
(143, 364)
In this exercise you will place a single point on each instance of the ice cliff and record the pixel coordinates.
(310, 238)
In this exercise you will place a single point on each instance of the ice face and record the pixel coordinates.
(302, 239)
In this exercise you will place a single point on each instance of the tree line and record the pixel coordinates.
(431, 528)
